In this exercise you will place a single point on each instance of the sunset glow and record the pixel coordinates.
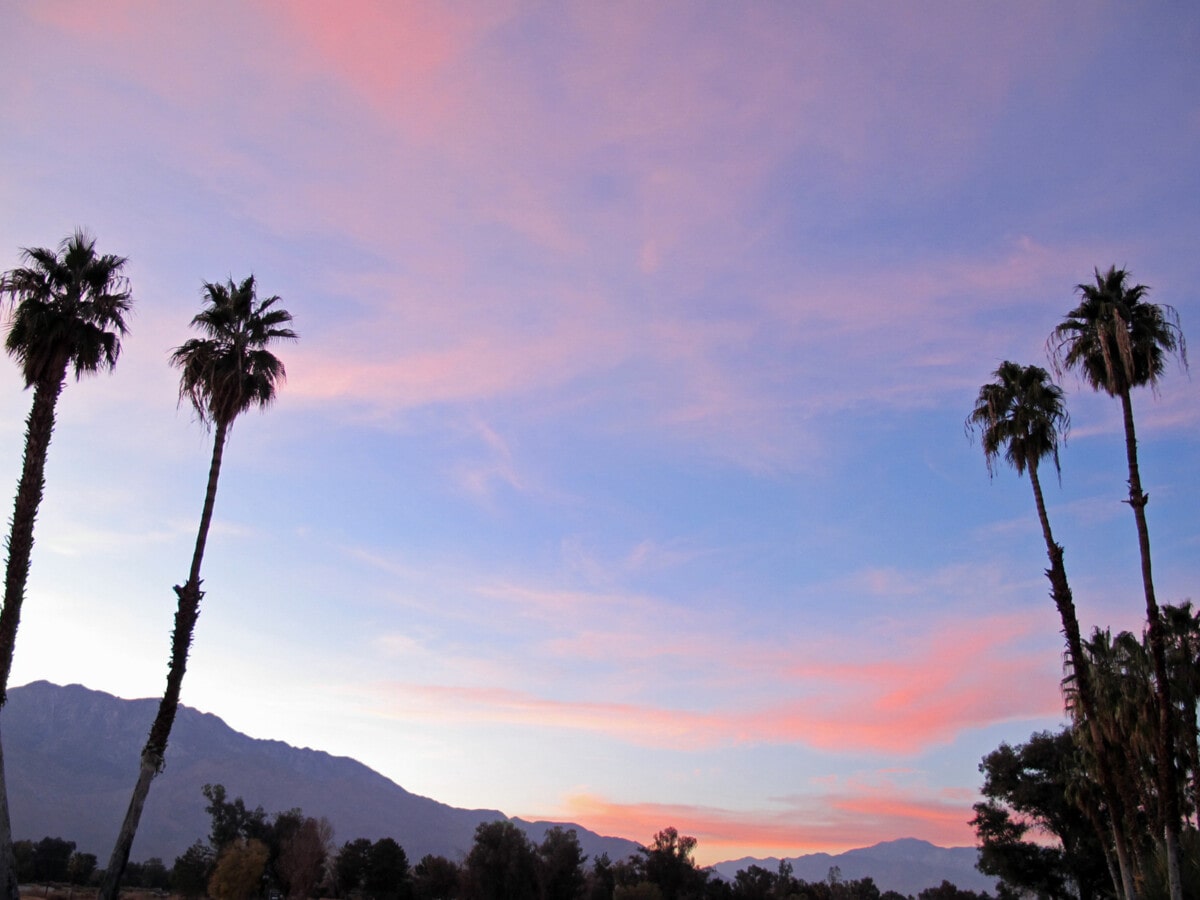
(619, 476)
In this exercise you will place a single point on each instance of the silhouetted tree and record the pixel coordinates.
(1031, 789)
(23, 854)
(52, 859)
(231, 819)
(1119, 341)
(949, 891)
(668, 863)
(69, 314)
(350, 867)
(223, 374)
(755, 883)
(190, 874)
(560, 865)
(239, 870)
(435, 878)
(302, 857)
(387, 876)
(1021, 415)
(81, 868)
(501, 864)
(601, 878)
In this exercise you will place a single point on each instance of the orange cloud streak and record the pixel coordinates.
(945, 685)
(832, 822)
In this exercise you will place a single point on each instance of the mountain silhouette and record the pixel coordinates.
(907, 866)
(71, 757)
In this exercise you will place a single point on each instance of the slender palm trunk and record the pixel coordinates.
(189, 595)
(38, 429)
(1060, 591)
(1167, 786)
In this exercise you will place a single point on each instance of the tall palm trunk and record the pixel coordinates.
(1167, 786)
(38, 429)
(189, 595)
(1060, 590)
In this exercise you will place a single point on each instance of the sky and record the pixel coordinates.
(619, 476)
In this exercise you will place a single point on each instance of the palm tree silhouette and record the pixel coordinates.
(223, 374)
(1118, 341)
(1021, 415)
(69, 310)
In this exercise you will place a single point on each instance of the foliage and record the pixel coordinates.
(1021, 415)
(230, 369)
(948, 891)
(435, 878)
(560, 865)
(239, 870)
(69, 311)
(1045, 788)
(1029, 793)
(81, 868)
(1125, 680)
(48, 860)
(1118, 342)
(668, 863)
(387, 875)
(601, 879)
(303, 854)
(350, 867)
(643, 890)
(190, 874)
(1114, 337)
(231, 820)
(298, 847)
(151, 874)
(501, 864)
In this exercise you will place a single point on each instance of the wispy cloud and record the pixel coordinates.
(844, 815)
(931, 692)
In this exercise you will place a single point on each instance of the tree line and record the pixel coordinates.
(1132, 702)
(249, 853)
(67, 314)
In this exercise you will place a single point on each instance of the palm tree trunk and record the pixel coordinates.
(188, 610)
(1060, 591)
(1167, 786)
(10, 887)
(38, 429)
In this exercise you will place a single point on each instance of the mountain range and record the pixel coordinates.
(71, 754)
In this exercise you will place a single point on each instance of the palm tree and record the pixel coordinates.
(1182, 625)
(223, 375)
(69, 312)
(1118, 341)
(1021, 415)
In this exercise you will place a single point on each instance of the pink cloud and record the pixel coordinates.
(960, 678)
(847, 816)
(397, 57)
(453, 129)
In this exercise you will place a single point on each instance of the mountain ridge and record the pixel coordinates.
(905, 865)
(71, 756)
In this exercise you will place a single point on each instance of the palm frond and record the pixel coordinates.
(69, 309)
(230, 369)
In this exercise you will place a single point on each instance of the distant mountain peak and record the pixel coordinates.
(71, 755)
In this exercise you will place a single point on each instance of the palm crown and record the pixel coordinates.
(230, 370)
(1115, 337)
(70, 309)
(1021, 414)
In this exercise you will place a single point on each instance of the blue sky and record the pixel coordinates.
(619, 475)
